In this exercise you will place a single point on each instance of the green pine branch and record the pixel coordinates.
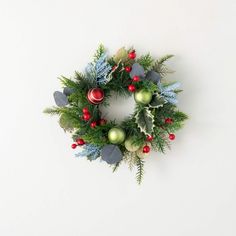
(146, 61)
(140, 169)
(160, 66)
(99, 52)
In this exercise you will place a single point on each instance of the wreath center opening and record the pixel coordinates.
(119, 108)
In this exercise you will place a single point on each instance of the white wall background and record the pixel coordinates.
(45, 191)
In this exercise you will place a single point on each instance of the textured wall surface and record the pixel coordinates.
(45, 191)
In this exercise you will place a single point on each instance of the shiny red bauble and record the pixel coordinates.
(146, 149)
(132, 55)
(149, 138)
(168, 121)
(128, 69)
(80, 141)
(73, 145)
(131, 88)
(102, 122)
(171, 136)
(95, 96)
(85, 110)
(86, 116)
(136, 78)
(93, 124)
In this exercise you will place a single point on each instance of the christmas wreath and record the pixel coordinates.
(152, 124)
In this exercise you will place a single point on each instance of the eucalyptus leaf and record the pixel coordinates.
(60, 99)
(153, 76)
(138, 70)
(157, 101)
(145, 121)
(68, 91)
(111, 154)
(121, 55)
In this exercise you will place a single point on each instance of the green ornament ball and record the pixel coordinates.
(143, 96)
(116, 135)
(130, 146)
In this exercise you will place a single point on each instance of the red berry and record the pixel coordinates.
(93, 124)
(102, 122)
(114, 67)
(171, 136)
(128, 69)
(136, 78)
(149, 138)
(131, 88)
(85, 110)
(146, 149)
(86, 116)
(132, 55)
(73, 145)
(80, 141)
(168, 121)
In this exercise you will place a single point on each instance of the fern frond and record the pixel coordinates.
(140, 170)
(164, 58)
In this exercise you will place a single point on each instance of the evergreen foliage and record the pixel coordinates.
(146, 119)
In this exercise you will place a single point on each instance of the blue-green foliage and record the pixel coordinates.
(99, 70)
(91, 151)
(168, 92)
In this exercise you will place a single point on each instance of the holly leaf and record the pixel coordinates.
(121, 55)
(157, 101)
(111, 154)
(145, 121)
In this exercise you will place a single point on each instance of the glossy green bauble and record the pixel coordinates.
(130, 146)
(116, 135)
(143, 96)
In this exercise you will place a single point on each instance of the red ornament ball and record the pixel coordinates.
(102, 122)
(128, 69)
(95, 96)
(85, 110)
(86, 116)
(80, 141)
(149, 138)
(93, 124)
(131, 88)
(132, 55)
(136, 78)
(171, 136)
(73, 145)
(168, 121)
(146, 149)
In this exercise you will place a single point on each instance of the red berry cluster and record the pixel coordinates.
(146, 148)
(79, 142)
(170, 121)
(132, 87)
(86, 114)
(99, 122)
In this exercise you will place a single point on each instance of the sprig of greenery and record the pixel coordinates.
(140, 169)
